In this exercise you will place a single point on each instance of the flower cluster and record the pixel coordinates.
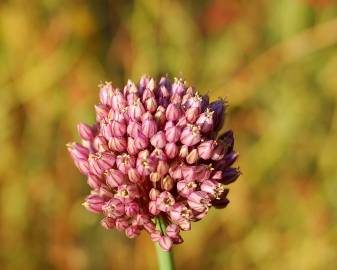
(154, 155)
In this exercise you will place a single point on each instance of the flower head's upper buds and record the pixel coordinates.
(154, 153)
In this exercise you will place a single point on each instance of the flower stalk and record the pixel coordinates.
(165, 258)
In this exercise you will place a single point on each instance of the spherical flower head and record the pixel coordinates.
(154, 153)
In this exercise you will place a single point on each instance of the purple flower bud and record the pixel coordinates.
(173, 134)
(101, 162)
(172, 230)
(167, 183)
(219, 151)
(114, 178)
(192, 157)
(190, 135)
(131, 209)
(218, 107)
(149, 128)
(173, 112)
(171, 150)
(117, 144)
(178, 87)
(125, 162)
(86, 132)
(205, 121)
(158, 140)
(205, 149)
(114, 208)
(230, 175)
(228, 140)
(165, 243)
(108, 223)
(94, 203)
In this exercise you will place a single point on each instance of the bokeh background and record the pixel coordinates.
(275, 61)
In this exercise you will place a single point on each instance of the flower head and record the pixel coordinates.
(154, 152)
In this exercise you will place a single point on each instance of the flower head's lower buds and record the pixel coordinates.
(205, 121)
(186, 187)
(165, 201)
(172, 230)
(199, 201)
(165, 243)
(132, 232)
(108, 223)
(121, 224)
(132, 209)
(114, 208)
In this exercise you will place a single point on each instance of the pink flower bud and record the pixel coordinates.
(132, 98)
(151, 104)
(160, 116)
(188, 172)
(168, 125)
(102, 111)
(115, 178)
(134, 128)
(172, 230)
(125, 162)
(186, 187)
(192, 114)
(132, 232)
(136, 110)
(213, 188)
(145, 165)
(149, 128)
(198, 201)
(158, 140)
(190, 135)
(154, 177)
(153, 194)
(118, 101)
(178, 87)
(155, 236)
(173, 134)
(158, 154)
(94, 181)
(205, 121)
(165, 201)
(176, 99)
(147, 94)
(100, 144)
(94, 203)
(127, 193)
(86, 132)
(121, 224)
(183, 151)
(108, 223)
(167, 183)
(162, 167)
(113, 129)
(153, 208)
(78, 151)
(101, 162)
(182, 122)
(176, 171)
(171, 150)
(141, 141)
(219, 151)
(134, 176)
(205, 149)
(117, 144)
(131, 209)
(105, 93)
(192, 157)
(131, 146)
(173, 112)
(114, 208)
(165, 243)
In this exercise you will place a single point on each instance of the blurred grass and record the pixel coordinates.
(275, 61)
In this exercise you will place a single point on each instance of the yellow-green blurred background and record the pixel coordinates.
(275, 61)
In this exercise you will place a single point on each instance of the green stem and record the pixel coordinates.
(165, 258)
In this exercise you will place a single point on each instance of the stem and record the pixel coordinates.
(165, 258)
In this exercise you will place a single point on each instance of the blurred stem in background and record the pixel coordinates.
(165, 258)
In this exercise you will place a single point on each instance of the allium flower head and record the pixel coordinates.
(153, 152)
